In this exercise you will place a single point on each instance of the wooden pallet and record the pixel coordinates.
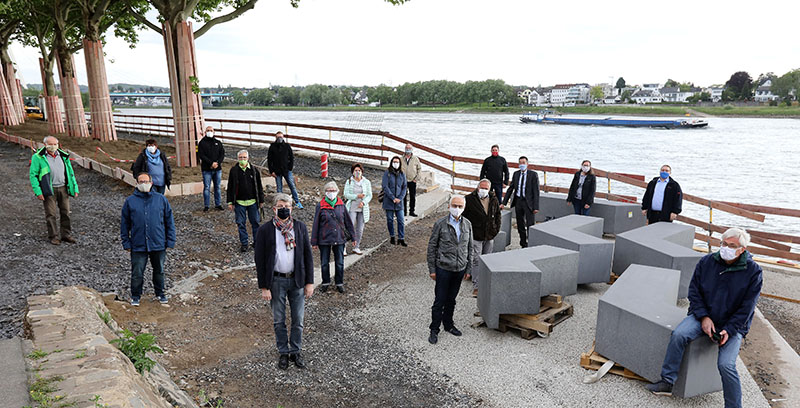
(553, 311)
(613, 278)
(593, 361)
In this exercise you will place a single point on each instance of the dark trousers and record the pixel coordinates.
(578, 205)
(338, 261)
(498, 190)
(444, 304)
(57, 204)
(656, 216)
(138, 265)
(525, 218)
(242, 214)
(159, 189)
(410, 200)
(284, 289)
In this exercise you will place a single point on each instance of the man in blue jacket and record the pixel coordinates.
(722, 297)
(147, 230)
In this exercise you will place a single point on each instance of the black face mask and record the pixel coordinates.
(284, 213)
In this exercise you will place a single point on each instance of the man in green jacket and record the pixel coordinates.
(53, 182)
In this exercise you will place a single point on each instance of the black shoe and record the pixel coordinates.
(244, 248)
(253, 245)
(219, 208)
(297, 359)
(340, 288)
(324, 288)
(660, 388)
(433, 338)
(205, 209)
(454, 331)
(283, 361)
(413, 214)
(392, 241)
(402, 242)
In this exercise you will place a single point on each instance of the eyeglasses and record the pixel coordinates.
(727, 245)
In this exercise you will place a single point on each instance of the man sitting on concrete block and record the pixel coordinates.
(722, 298)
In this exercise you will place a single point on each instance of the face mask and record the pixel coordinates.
(284, 213)
(144, 187)
(408, 152)
(585, 169)
(209, 134)
(357, 174)
(727, 254)
(456, 212)
(331, 195)
(152, 149)
(483, 193)
(664, 175)
(243, 163)
(51, 148)
(279, 140)
(495, 154)
(523, 167)
(395, 165)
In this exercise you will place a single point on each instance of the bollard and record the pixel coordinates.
(324, 165)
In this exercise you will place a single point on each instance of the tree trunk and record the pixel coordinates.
(73, 105)
(187, 107)
(8, 112)
(99, 100)
(52, 107)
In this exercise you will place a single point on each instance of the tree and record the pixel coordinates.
(259, 97)
(702, 96)
(787, 85)
(620, 84)
(739, 87)
(237, 97)
(625, 96)
(671, 83)
(596, 92)
(686, 86)
(382, 94)
(12, 110)
(288, 95)
(313, 95)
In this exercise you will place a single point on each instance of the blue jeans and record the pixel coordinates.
(401, 224)
(690, 329)
(138, 265)
(242, 214)
(208, 177)
(283, 288)
(290, 181)
(444, 304)
(578, 206)
(338, 260)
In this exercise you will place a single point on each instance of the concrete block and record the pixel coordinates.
(514, 281)
(553, 205)
(635, 318)
(499, 242)
(618, 216)
(192, 188)
(505, 225)
(664, 245)
(578, 233)
(106, 170)
(127, 177)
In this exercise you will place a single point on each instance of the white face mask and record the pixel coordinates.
(152, 149)
(523, 167)
(395, 165)
(51, 148)
(727, 254)
(331, 195)
(144, 187)
(456, 212)
(209, 134)
(585, 169)
(483, 192)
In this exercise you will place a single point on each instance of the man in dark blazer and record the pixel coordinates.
(663, 199)
(524, 195)
(285, 269)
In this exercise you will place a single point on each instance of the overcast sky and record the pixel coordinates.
(524, 42)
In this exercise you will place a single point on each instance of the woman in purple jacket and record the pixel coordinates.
(331, 230)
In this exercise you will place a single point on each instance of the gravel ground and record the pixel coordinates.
(505, 370)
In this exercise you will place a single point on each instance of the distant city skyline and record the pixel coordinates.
(524, 43)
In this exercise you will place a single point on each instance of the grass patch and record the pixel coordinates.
(104, 316)
(42, 391)
(136, 348)
(38, 354)
(96, 400)
(80, 354)
(755, 111)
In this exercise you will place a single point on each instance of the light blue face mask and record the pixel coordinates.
(664, 175)
(523, 167)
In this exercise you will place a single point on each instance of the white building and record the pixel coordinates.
(647, 96)
(674, 94)
(578, 93)
(558, 96)
(651, 86)
(715, 91)
(764, 92)
(611, 99)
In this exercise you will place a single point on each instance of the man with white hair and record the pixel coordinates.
(483, 211)
(53, 182)
(449, 262)
(411, 167)
(245, 196)
(722, 297)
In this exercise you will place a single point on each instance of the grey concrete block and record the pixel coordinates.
(505, 226)
(553, 205)
(664, 245)
(499, 242)
(514, 281)
(579, 233)
(635, 319)
(618, 216)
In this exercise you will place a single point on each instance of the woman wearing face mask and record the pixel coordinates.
(394, 191)
(582, 189)
(358, 193)
(154, 162)
(331, 230)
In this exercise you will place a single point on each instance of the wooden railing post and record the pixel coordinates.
(710, 223)
(453, 177)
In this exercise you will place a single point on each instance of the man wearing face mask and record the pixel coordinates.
(663, 199)
(147, 229)
(495, 169)
(449, 262)
(153, 162)
(245, 196)
(524, 195)
(412, 169)
(722, 298)
(285, 270)
(53, 182)
(280, 161)
(211, 153)
(483, 212)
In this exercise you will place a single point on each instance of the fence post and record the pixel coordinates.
(250, 132)
(330, 136)
(453, 177)
(710, 222)
(608, 176)
(545, 180)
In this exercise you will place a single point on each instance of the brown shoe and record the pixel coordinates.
(55, 241)
(474, 293)
(69, 239)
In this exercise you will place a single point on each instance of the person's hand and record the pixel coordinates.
(708, 326)
(433, 276)
(230, 207)
(536, 211)
(467, 276)
(502, 206)
(273, 174)
(40, 197)
(76, 195)
(266, 294)
(672, 216)
(314, 247)
(396, 200)
(644, 212)
(586, 206)
(360, 195)
(361, 205)
(308, 290)
(569, 202)
(260, 205)
(724, 337)
(214, 165)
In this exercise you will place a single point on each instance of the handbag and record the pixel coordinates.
(347, 235)
(380, 197)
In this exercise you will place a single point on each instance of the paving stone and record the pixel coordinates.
(579, 233)
(553, 205)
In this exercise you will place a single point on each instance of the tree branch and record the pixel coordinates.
(227, 17)
(142, 19)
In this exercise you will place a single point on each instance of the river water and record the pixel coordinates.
(743, 160)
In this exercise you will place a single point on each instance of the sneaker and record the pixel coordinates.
(219, 208)
(55, 241)
(433, 338)
(413, 214)
(299, 206)
(660, 388)
(340, 288)
(205, 209)
(297, 359)
(283, 361)
(68, 239)
(244, 248)
(324, 288)
(134, 301)
(344, 252)
(163, 299)
(454, 331)
(357, 251)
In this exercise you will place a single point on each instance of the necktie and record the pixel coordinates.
(521, 188)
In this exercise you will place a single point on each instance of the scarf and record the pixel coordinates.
(155, 158)
(287, 229)
(332, 202)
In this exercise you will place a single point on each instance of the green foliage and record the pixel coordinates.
(42, 390)
(314, 95)
(37, 354)
(259, 97)
(288, 95)
(104, 316)
(596, 92)
(96, 400)
(79, 354)
(671, 83)
(739, 87)
(137, 347)
(206, 402)
(626, 96)
(237, 97)
(195, 84)
(701, 96)
(787, 85)
(620, 83)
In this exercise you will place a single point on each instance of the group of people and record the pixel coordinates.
(723, 291)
